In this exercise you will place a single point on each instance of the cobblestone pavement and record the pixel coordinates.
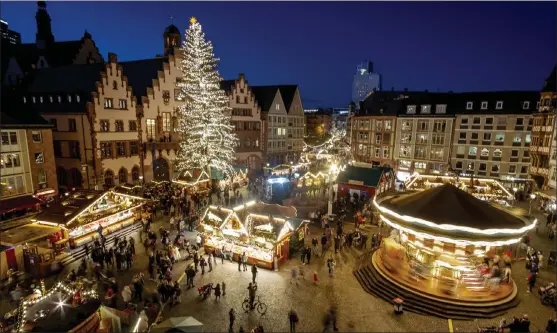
(358, 310)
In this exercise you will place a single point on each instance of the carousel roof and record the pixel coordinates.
(63, 318)
(446, 204)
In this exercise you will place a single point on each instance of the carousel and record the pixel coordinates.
(482, 188)
(444, 243)
(264, 232)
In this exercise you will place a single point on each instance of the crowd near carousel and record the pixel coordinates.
(446, 243)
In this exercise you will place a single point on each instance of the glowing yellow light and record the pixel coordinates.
(193, 20)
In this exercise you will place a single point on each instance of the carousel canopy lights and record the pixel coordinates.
(412, 179)
(247, 204)
(450, 227)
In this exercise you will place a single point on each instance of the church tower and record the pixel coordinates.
(44, 35)
(172, 38)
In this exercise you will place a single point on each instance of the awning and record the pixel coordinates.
(23, 202)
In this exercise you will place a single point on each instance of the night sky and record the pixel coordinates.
(459, 46)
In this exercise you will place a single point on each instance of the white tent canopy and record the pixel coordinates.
(179, 324)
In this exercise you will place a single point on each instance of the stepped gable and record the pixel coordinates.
(141, 74)
(446, 204)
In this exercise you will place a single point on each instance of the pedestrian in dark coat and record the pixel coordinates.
(217, 292)
(196, 261)
(308, 254)
(231, 319)
(253, 273)
(293, 318)
(202, 263)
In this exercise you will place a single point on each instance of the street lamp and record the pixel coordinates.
(532, 198)
(514, 198)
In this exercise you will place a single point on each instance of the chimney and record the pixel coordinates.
(112, 58)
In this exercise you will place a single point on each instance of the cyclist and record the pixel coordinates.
(252, 288)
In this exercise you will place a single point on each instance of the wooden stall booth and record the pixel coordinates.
(195, 181)
(262, 231)
(85, 214)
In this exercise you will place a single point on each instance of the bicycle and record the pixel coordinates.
(257, 304)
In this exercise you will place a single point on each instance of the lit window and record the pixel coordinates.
(441, 108)
(426, 108)
(472, 151)
(150, 128)
(497, 153)
(485, 152)
(411, 109)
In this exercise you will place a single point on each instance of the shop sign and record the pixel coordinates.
(355, 182)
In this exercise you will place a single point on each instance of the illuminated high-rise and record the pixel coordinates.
(365, 81)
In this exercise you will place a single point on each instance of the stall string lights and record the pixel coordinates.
(196, 182)
(450, 227)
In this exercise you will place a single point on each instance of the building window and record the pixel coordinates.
(499, 137)
(77, 98)
(471, 166)
(497, 153)
(123, 104)
(36, 135)
(517, 138)
(421, 153)
(385, 152)
(150, 128)
(121, 148)
(423, 125)
(514, 153)
(277, 106)
(377, 152)
(487, 136)
(106, 149)
(469, 105)
(525, 105)
(406, 125)
(458, 165)
(166, 122)
(474, 136)
(405, 151)
(9, 138)
(437, 154)
(74, 149)
(108, 103)
(422, 139)
(426, 109)
(135, 174)
(528, 138)
(499, 105)
(166, 96)
(484, 105)
(54, 123)
(42, 177)
(405, 164)
(72, 126)
(439, 139)
(485, 152)
(388, 125)
(119, 125)
(439, 125)
(462, 136)
(59, 99)
(411, 109)
(69, 98)
(524, 169)
(406, 138)
(123, 176)
(472, 151)
(105, 126)
(482, 167)
(132, 125)
(441, 108)
(512, 168)
(57, 148)
(114, 85)
(519, 121)
(109, 178)
(420, 165)
(378, 138)
(178, 95)
(51, 99)
(378, 125)
(476, 121)
(495, 168)
(39, 158)
(134, 148)
(489, 121)
(10, 161)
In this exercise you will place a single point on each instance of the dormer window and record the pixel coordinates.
(499, 105)
(426, 109)
(34, 99)
(484, 105)
(77, 99)
(525, 105)
(441, 108)
(51, 99)
(277, 106)
(166, 96)
(59, 99)
(24, 99)
(469, 105)
(538, 105)
(41, 99)
(411, 109)
(70, 98)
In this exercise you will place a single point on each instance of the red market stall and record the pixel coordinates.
(365, 181)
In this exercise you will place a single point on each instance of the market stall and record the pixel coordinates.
(447, 236)
(262, 231)
(482, 188)
(85, 214)
(195, 181)
(311, 180)
(277, 189)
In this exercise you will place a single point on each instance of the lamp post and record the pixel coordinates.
(532, 198)
(514, 198)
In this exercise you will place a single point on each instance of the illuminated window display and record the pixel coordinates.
(440, 240)
(82, 213)
(252, 228)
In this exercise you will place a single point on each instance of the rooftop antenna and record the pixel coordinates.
(171, 19)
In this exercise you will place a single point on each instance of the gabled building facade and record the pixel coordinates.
(246, 119)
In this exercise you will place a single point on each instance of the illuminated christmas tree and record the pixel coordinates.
(208, 138)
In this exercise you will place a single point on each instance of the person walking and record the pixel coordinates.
(240, 259)
(223, 288)
(253, 272)
(308, 254)
(210, 262)
(531, 281)
(293, 319)
(330, 266)
(252, 288)
(245, 262)
(196, 260)
(294, 275)
(202, 263)
(127, 294)
(231, 319)
(217, 292)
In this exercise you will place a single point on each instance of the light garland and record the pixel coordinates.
(207, 136)
(459, 242)
(450, 227)
(198, 181)
(415, 176)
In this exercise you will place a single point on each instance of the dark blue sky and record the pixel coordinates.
(459, 46)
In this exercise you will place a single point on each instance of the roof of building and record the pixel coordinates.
(446, 204)
(172, 29)
(227, 85)
(141, 73)
(264, 95)
(288, 92)
(22, 120)
(551, 82)
(66, 209)
(370, 177)
(513, 102)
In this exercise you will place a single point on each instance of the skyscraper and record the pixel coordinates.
(365, 81)
(11, 36)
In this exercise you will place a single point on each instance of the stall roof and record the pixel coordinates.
(189, 178)
(26, 233)
(23, 202)
(446, 204)
(369, 177)
(62, 318)
(64, 210)
(261, 208)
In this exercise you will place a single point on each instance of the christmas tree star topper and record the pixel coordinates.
(193, 20)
